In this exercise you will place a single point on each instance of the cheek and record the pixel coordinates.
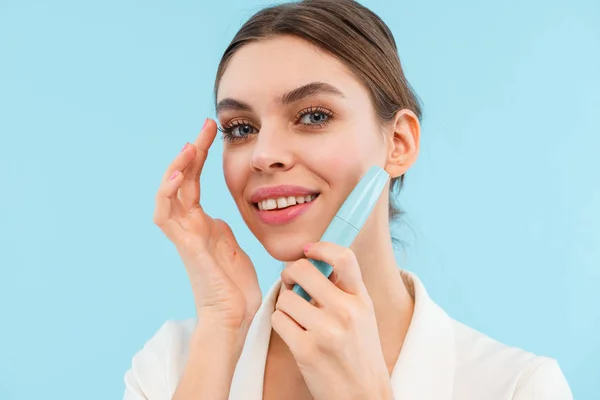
(332, 157)
(234, 170)
(348, 153)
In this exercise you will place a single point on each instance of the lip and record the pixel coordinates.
(273, 192)
(284, 215)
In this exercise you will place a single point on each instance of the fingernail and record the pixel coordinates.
(174, 175)
(307, 247)
(184, 147)
(205, 122)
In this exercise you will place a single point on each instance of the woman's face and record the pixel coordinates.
(297, 123)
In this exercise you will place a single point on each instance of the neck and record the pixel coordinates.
(393, 304)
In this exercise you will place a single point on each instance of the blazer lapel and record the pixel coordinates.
(425, 366)
(248, 377)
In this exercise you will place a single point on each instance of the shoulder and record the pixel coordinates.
(485, 365)
(156, 368)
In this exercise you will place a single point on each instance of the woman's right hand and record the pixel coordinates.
(223, 278)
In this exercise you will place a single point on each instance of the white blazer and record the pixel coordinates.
(440, 359)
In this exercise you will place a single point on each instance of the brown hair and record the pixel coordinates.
(353, 34)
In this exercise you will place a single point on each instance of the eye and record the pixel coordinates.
(237, 130)
(314, 116)
(241, 130)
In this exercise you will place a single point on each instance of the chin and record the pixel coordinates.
(285, 242)
(285, 249)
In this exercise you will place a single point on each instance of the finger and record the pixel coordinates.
(290, 284)
(190, 188)
(303, 313)
(167, 205)
(288, 329)
(305, 274)
(170, 184)
(347, 271)
(179, 163)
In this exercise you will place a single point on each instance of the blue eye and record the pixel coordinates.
(237, 130)
(314, 118)
(241, 130)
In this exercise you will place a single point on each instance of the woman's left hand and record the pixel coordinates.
(334, 338)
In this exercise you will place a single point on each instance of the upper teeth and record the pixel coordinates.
(283, 202)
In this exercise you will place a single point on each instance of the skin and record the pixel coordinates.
(353, 330)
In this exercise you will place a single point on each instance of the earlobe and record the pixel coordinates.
(403, 143)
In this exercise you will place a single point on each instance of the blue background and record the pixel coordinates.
(96, 98)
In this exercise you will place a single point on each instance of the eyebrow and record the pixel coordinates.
(310, 89)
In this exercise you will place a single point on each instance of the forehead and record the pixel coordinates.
(267, 68)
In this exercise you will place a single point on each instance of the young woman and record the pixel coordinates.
(309, 95)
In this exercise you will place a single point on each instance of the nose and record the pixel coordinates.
(272, 151)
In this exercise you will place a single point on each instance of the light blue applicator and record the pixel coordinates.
(351, 217)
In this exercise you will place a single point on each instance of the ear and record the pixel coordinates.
(403, 143)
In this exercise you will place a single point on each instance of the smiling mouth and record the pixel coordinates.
(281, 203)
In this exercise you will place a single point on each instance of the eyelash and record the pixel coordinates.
(227, 131)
